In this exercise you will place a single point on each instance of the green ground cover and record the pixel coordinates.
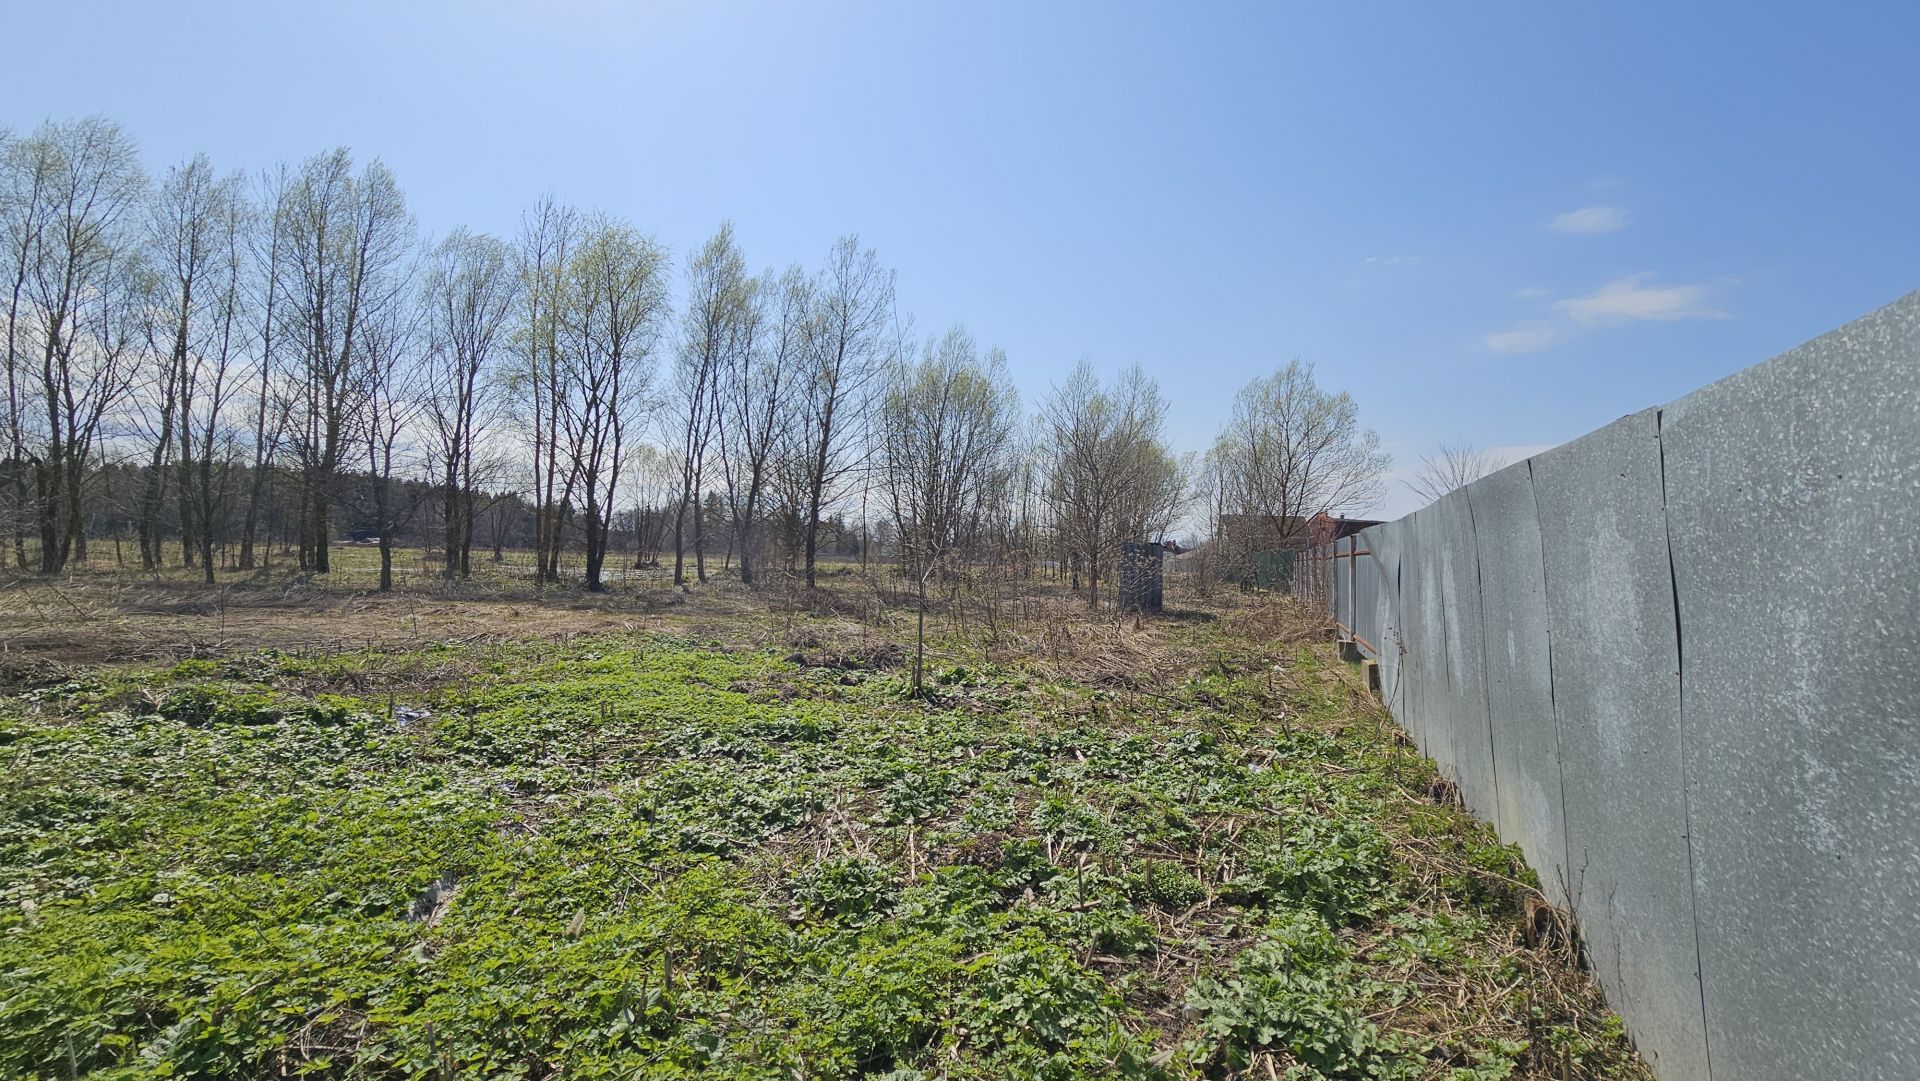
(645, 856)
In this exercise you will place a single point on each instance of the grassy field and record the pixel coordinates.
(717, 843)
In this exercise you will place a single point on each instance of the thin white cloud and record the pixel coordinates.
(1600, 218)
(1634, 300)
(1525, 338)
(1391, 260)
(1530, 292)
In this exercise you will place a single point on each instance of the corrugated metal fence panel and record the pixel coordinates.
(1366, 600)
(1274, 570)
(1343, 582)
(1341, 607)
(1801, 695)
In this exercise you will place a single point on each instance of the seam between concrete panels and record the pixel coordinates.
(1399, 643)
(1686, 764)
(1387, 598)
(1486, 651)
(1436, 561)
(1430, 570)
(1553, 703)
(1446, 634)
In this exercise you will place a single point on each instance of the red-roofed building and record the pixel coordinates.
(1323, 528)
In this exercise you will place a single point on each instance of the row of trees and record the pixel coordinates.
(1289, 450)
(250, 348)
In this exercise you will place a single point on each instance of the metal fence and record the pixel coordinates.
(1337, 578)
(1677, 661)
(1273, 570)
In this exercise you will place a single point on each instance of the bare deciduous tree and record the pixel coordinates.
(613, 321)
(469, 296)
(25, 171)
(1450, 466)
(654, 487)
(1291, 450)
(195, 231)
(847, 350)
(1110, 476)
(212, 379)
(548, 234)
(945, 439)
(78, 306)
(755, 392)
(347, 239)
(388, 402)
(270, 409)
(717, 325)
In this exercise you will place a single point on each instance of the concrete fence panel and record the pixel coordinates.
(1678, 662)
(1466, 655)
(1791, 492)
(1526, 739)
(1426, 661)
(1616, 685)
(1383, 562)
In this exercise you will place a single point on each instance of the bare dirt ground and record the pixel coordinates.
(106, 616)
(112, 617)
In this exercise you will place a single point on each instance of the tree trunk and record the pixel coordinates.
(20, 496)
(382, 521)
(466, 529)
(920, 643)
(744, 531)
(205, 522)
(46, 486)
(450, 513)
(700, 542)
(318, 533)
(76, 503)
(187, 545)
(596, 548)
(151, 496)
(257, 488)
(813, 530)
(679, 542)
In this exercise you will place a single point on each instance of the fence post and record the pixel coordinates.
(1353, 583)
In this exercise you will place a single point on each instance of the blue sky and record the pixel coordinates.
(1499, 223)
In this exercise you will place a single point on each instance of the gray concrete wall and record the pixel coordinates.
(1521, 716)
(1677, 661)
